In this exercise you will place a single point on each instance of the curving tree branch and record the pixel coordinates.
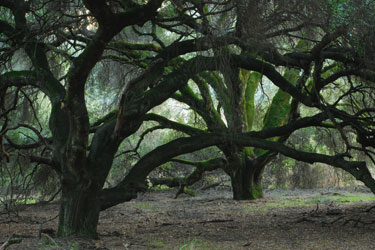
(134, 181)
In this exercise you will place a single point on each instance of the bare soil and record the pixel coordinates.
(283, 219)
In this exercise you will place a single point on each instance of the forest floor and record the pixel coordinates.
(283, 219)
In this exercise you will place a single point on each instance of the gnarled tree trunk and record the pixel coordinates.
(79, 209)
(245, 184)
(246, 177)
(82, 185)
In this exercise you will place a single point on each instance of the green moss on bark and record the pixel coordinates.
(256, 191)
(251, 81)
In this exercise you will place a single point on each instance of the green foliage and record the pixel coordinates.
(189, 191)
(160, 187)
(167, 166)
(340, 10)
(75, 246)
(257, 192)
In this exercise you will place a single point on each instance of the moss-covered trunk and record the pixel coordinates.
(245, 187)
(246, 177)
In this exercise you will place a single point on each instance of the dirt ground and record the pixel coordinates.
(283, 219)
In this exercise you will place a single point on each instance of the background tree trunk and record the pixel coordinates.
(246, 178)
(245, 184)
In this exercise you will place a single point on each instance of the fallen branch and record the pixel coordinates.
(169, 224)
(356, 221)
(215, 221)
(11, 240)
(337, 219)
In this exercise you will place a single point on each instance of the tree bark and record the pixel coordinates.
(82, 185)
(246, 177)
(246, 185)
(79, 210)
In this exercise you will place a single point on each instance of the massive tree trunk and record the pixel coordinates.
(246, 176)
(82, 185)
(246, 184)
(245, 169)
(79, 209)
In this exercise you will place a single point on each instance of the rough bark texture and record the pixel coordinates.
(79, 210)
(246, 175)
(244, 185)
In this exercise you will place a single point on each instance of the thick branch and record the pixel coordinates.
(200, 168)
(24, 146)
(19, 79)
(172, 125)
(209, 114)
(134, 181)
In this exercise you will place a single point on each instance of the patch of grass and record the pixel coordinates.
(306, 202)
(60, 246)
(19, 201)
(264, 208)
(356, 198)
(328, 199)
(197, 243)
(291, 203)
(158, 244)
(144, 206)
(255, 208)
(75, 246)
(30, 201)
